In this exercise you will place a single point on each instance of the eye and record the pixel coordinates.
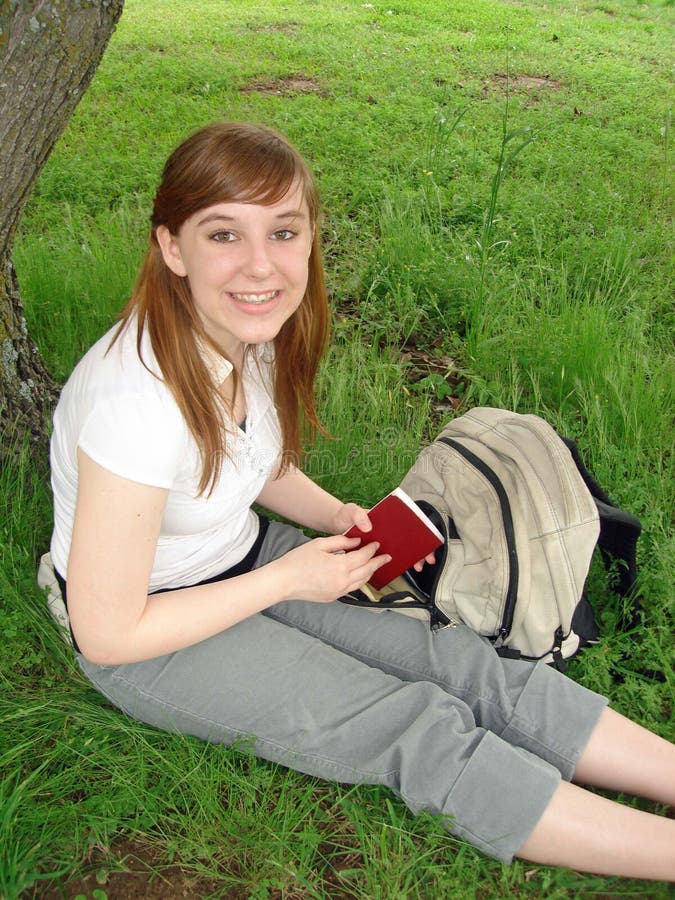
(222, 237)
(284, 234)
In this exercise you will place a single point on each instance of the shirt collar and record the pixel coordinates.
(218, 367)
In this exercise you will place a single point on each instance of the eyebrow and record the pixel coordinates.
(221, 217)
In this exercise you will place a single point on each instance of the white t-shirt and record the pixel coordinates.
(127, 421)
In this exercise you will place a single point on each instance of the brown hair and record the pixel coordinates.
(223, 163)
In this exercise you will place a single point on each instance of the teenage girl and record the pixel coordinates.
(192, 613)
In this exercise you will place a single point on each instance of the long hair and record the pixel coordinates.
(223, 163)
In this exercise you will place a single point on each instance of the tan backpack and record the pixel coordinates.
(521, 525)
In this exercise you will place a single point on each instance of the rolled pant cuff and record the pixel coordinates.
(500, 796)
(575, 709)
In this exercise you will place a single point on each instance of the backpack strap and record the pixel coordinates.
(619, 533)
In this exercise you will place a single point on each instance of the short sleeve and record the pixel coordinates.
(144, 440)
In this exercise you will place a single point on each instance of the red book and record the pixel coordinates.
(402, 530)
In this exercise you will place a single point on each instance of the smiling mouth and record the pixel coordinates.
(254, 299)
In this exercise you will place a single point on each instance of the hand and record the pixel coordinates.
(327, 568)
(431, 559)
(349, 514)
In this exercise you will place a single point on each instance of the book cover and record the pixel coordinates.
(403, 531)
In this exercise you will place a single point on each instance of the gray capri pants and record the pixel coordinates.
(353, 696)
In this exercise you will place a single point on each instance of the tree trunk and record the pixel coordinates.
(49, 52)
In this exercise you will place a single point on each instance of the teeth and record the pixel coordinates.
(255, 298)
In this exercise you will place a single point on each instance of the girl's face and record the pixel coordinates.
(247, 266)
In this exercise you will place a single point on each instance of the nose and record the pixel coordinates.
(258, 262)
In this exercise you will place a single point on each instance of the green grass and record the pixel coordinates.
(542, 284)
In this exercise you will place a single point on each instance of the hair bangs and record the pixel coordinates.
(230, 163)
(263, 180)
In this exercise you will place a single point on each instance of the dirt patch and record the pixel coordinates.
(440, 376)
(524, 82)
(131, 870)
(283, 27)
(293, 84)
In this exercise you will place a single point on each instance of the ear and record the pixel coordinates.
(171, 254)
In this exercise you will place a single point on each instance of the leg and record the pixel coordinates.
(345, 695)
(316, 709)
(577, 829)
(530, 706)
(589, 833)
(624, 756)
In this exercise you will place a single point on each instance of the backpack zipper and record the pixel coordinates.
(437, 618)
(509, 533)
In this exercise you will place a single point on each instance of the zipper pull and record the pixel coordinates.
(438, 620)
(501, 638)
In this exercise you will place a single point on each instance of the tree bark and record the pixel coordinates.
(49, 52)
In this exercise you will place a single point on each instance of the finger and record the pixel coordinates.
(365, 573)
(363, 554)
(431, 559)
(380, 560)
(338, 542)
